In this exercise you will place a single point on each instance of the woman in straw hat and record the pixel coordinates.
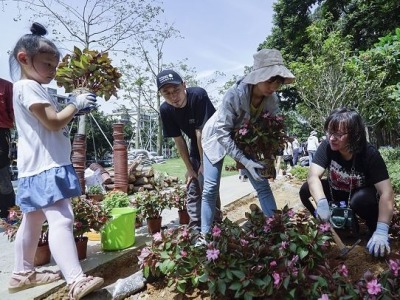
(249, 97)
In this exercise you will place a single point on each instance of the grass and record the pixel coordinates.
(176, 167)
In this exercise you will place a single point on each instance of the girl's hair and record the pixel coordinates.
(352, 124)
(32, 44)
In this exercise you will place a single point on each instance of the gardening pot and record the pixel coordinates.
(81, 246)
(183, 217)
(119, 233)
(42, 255)
(154, 225)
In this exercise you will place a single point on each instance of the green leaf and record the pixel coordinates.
(235, 286)
(221, 287)
(239, 274)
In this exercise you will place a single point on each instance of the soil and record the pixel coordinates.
(285, 190)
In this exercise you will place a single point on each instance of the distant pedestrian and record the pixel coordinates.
(47, 179)
(7, 195)
(312, 145)
(296, 150)
(185, 111)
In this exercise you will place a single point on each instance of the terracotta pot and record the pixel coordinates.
(183, 217)
(154, 225)
(42, 255)
(81, 247)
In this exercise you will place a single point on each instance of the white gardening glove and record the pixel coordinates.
(252, 167)
(83, 101)
(379, 242)
(323, 212)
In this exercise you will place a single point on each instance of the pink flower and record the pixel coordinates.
(291, 213)
(243, 131)
(277, 278)
(324, 297)
(212, 254)
(394, 267)
(324, 227)
(374, 288)
(143, 254)
(157, 237)
(273, 264)
(12, 215)
(284, 245)
(185, 232)
(244, 242)
(216, 232)
(183, 253)
(266, 228)
(343, 270)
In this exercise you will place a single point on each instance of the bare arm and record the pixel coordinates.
(314, 181)
(51, 119)
(184, 153)
(386, 201)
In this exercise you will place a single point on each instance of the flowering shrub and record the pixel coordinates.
(281, 257)
(13, 221)
(177, 197)
(88, 214)
(261, 138)
(151, 203)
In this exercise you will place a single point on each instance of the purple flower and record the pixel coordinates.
(277, 278)
(343, 271)
(216, 231)
(291, 213)
(273, 264)
(284, 245)
(394, 267)
(324, 227)
(324, 297)
(243, 242)
(243, 131)
(374, 288)
(157, 237)
(212, 254)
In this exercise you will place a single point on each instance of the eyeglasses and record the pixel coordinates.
(172, 93)
(336, 135)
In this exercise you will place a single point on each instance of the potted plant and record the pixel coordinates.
(178, 199)
(95, 192)
(150, 205)
(11, 225)
(119, 232)
(260, 139)
(88, 216)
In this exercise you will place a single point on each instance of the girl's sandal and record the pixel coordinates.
(22, 281)
(84, 286)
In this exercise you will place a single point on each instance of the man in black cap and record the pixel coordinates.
(186, 110)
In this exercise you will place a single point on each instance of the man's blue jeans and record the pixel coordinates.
(212, 179)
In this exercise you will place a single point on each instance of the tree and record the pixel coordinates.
(95, 24)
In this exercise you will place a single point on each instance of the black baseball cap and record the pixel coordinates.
(168, 77)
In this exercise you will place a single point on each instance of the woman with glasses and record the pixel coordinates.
(357, 177)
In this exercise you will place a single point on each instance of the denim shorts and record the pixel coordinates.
(44, 189)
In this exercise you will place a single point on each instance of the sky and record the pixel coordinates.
(218, 35)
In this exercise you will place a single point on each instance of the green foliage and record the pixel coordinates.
(95, 190)
(88, 214)
(150, 204)
(178, 197)
(115, 199)
(89, 69)
(300, 172)
(391, 156)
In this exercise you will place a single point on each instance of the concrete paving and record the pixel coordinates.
(231, 189)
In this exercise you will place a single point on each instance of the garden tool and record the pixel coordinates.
(344, 250)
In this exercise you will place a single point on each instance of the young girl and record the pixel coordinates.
(47, 179)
